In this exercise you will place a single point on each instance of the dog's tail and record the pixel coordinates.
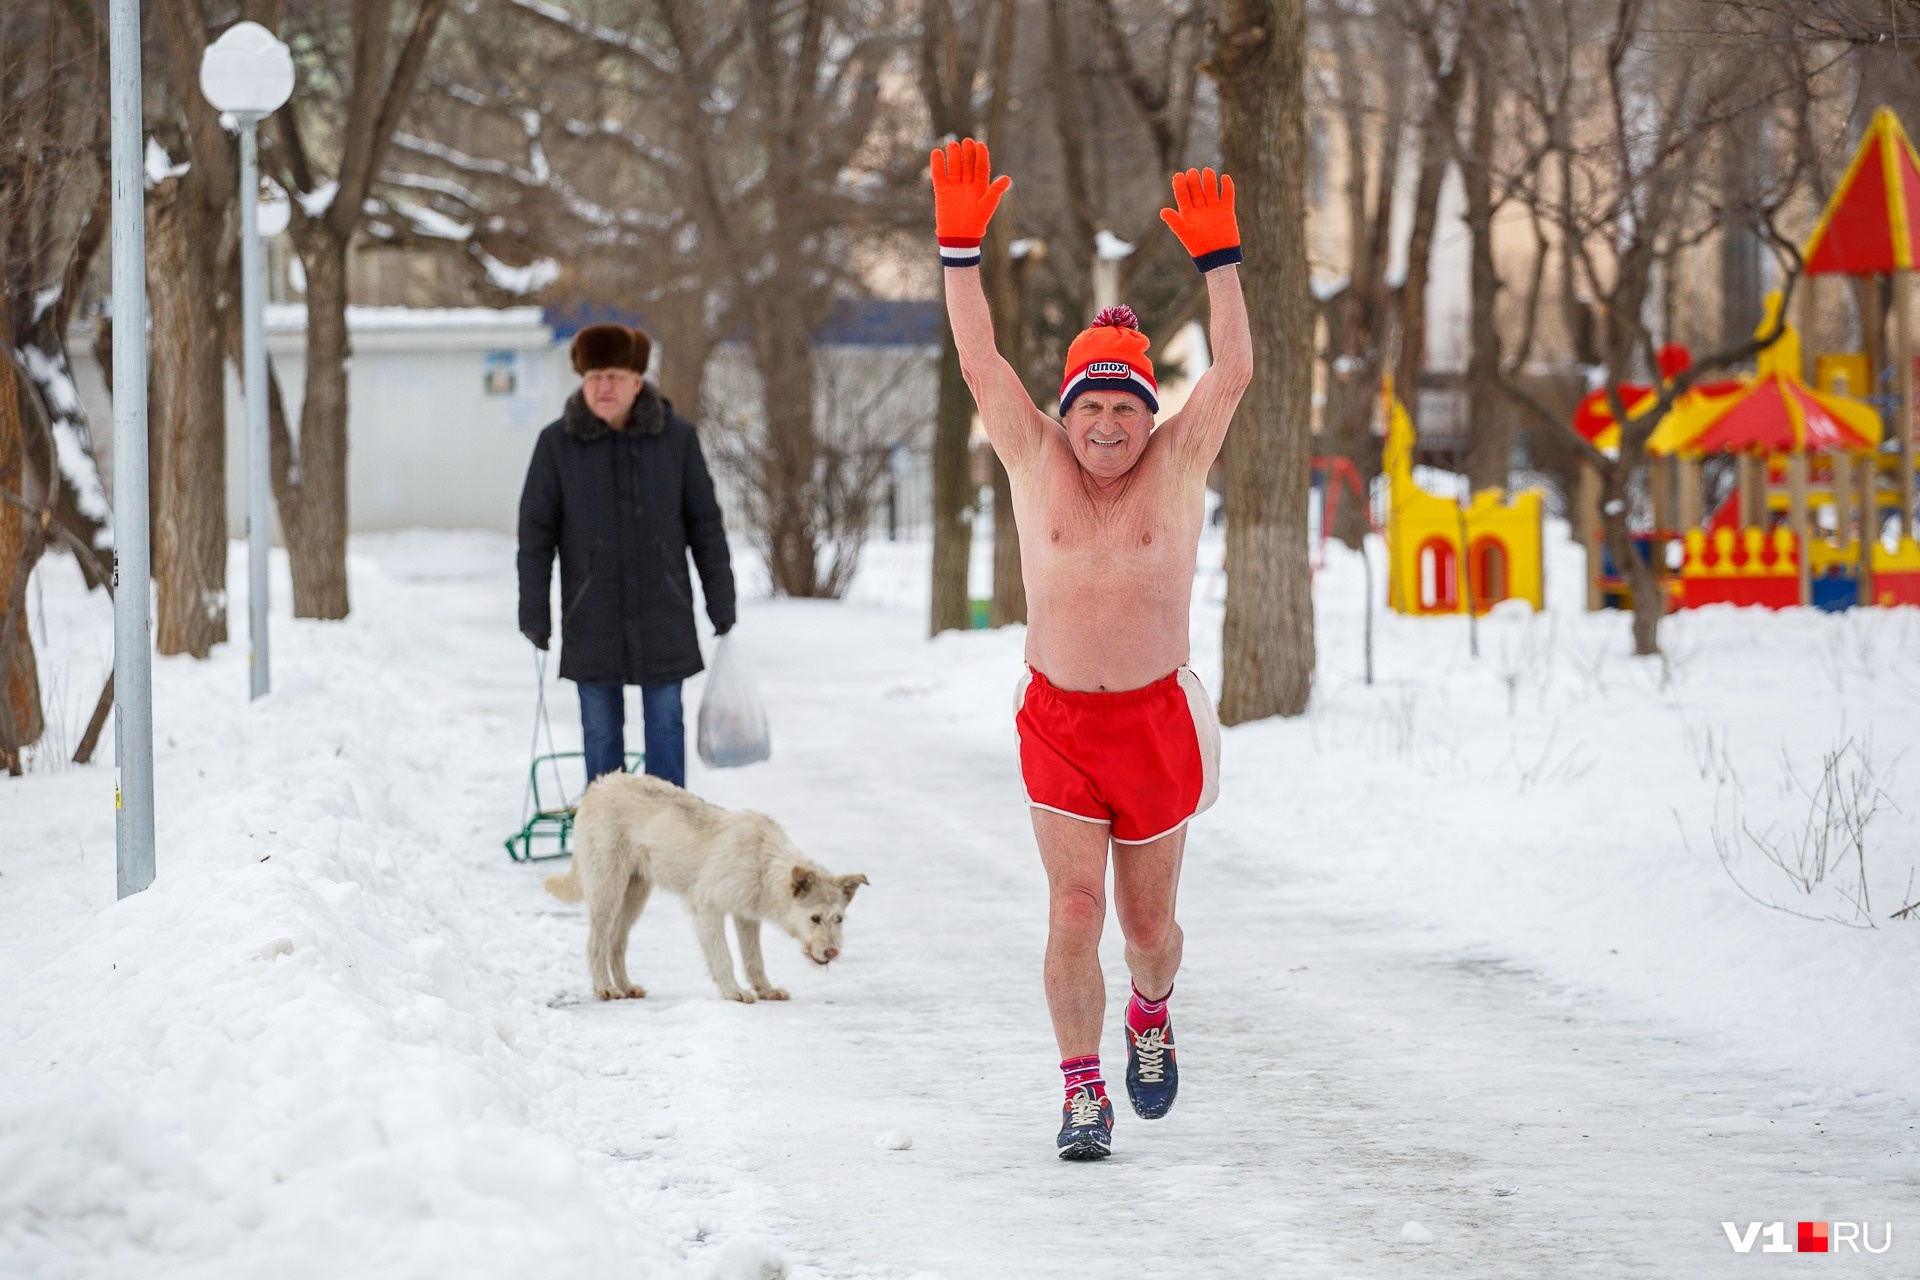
(565, 886)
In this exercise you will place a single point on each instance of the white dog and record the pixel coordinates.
(634, 832)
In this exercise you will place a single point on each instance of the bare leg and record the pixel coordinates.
(632, 905)
(751, 959)
(1075, 856)
(1146, 881)
(711, 928)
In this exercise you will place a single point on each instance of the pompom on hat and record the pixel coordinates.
(610, 346)
(1110, 356)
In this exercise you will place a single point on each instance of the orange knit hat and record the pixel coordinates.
(1110, 356)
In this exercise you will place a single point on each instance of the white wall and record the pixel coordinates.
(430, 447)
(428, 444)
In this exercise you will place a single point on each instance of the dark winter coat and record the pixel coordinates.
(622, 508)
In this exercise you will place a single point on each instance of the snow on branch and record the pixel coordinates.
(599, 33)
(541, 177)
(48, 371)
(44, 299)
(315, 203)
(435, 186)
(461, 160)
(430, 223)
(160, 165)
(613, 131)
(532, 278)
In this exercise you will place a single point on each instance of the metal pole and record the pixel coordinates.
(254, 362)
(132, 609)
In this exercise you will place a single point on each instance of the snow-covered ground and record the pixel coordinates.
(1460, 953)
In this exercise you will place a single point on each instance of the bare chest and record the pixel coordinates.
(1140, 531)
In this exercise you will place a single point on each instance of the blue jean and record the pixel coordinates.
(603, 719)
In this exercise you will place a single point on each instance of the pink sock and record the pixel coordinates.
(1143, 1013)
(1084, 1073)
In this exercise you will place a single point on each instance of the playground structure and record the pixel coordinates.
(1820, 484)
(1444, 557)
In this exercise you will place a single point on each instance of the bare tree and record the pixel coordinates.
(1366, 86)
(1628, 126)
(193, 294)
(1258, 58)
(54, 202)
(875, 398)
(1490, 424)
(21, 543)
(1006, 284)
(762, 147)
(359, 63)
(953, 50)
(53, 197)
(1439, 30)
(540, 157)
(1125, 106)
(1119, 80)
(809, 88)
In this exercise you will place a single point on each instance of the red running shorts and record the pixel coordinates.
(1143, 761)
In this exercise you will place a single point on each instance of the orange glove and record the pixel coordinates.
(1204, 220)
(963, 201)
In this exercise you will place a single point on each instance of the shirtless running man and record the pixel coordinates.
(1118, 742)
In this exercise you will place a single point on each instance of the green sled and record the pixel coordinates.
(549, 832)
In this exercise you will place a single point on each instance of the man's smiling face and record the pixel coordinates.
(1108, 431)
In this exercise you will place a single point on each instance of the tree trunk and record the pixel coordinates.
(1360, 321)
(1006, 289)
(1632, 287)
(1009, 587)
(79, 498)
(310, 478)
(1740, 280)
(952, 493)
(188, 465)
(1436, 139)
(785, 359)
(1649, 599)
(684, 350)
(947, 75)
(20, 719)
(1490, 445)
(1347, 419)
(1268, 643)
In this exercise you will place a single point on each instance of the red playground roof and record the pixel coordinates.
(1870, 226)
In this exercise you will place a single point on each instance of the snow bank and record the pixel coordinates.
(1460, 956)
(285, 1057)
(1559, 801)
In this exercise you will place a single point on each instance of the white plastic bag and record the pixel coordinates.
(733, 720)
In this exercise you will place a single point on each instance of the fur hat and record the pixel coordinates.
(1110, 356)
(610, 346)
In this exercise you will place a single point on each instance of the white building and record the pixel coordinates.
(444, 405)
(443, 409)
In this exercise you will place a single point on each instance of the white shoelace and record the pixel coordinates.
(1151, 1046)
(1083, 1108)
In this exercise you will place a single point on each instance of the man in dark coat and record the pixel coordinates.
(619, 488)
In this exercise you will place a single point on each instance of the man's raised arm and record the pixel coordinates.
(1204, 221)
(964, 201)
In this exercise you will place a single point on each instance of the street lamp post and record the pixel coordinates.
(132, 602)
(248, 74)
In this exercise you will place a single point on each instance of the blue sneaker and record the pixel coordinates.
(1086, 1127)
(1153, 1078)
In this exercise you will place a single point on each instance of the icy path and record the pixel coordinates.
(1358, 1051)
(1343, 1075)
